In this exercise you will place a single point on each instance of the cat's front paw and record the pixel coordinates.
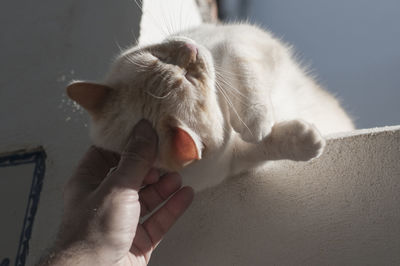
(297, 140)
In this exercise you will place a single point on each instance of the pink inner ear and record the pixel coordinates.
(90, 96)
(184, 147)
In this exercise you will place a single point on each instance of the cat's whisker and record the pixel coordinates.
(242, 100)
(222, 77)
(236, 93)
(223, 93)
(177, 21)
(180, 16)
(166, 16)
(237, 98)
(222, 70)
(228, 78)
(234, 109)
(156, 23)
(186, 18)
(163, 20)
(133, 61)
(119, 46)
(135, 38)
(141, 67)
(171, 20)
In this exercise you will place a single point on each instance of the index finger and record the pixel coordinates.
(137, 158)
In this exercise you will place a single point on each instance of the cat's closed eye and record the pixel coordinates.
(162, 56)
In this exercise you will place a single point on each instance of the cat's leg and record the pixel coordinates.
(293, 140)
(244, 83)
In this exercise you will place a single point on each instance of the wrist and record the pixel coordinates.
(75, 254)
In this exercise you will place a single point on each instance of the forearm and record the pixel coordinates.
(292, 140)
(249, 155)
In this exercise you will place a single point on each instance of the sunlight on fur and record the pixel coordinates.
(222, 98)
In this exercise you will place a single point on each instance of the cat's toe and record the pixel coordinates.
(310, 144)
(298, 140)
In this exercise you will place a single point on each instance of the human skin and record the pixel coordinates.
(100, 224)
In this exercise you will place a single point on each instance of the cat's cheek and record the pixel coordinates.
(111, 141)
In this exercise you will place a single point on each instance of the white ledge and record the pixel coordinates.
(366, 131)
(340, 209)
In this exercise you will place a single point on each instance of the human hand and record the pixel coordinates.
(100, 225)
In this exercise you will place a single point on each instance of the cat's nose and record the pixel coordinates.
(191, 49)
(188, 54)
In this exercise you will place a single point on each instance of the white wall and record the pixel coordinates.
(43, 45)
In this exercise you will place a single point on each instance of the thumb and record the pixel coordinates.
(137, 158)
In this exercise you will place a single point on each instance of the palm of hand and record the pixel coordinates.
(102, 209)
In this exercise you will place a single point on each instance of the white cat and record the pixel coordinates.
(222, 98)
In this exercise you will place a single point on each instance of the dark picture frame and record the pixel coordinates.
(38, 158)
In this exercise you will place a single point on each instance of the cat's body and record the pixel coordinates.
(223, 99)
(253, 54)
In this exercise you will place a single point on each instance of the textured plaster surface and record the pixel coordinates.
(340, 209)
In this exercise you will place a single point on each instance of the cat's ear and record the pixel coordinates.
(90, 96)
(186, 146)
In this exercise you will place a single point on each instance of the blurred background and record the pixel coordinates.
(352, 47)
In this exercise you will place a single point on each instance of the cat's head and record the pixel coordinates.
(171, 84)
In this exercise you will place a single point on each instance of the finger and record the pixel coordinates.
(94, 166)
(161, 221)
(137, 158)
(152, 196)
(152, 177)
(142, 245)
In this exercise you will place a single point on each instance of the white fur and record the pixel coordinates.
(275, 89)
(260, 105)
